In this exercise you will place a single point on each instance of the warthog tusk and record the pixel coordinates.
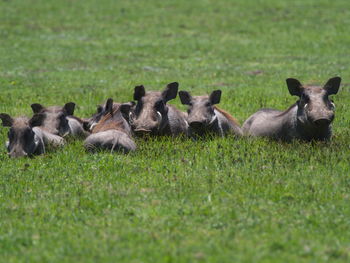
(92, 126)
(159, 118)
(213, 119)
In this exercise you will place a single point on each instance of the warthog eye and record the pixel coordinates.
(28, 133)
(208, 104)
(159, 105)
(305, 98)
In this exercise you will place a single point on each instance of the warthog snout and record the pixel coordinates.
(322, 122)
(17, 154)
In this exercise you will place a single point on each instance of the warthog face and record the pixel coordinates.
(108, 108)
(54, 118)
(22, 139)
(315, 109)
(150, 115)
(201, 115)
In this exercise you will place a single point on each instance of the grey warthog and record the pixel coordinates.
(152, 115)
(205, 118)
(308, 119)
(109, 130)
(60, 120)
(25, 138)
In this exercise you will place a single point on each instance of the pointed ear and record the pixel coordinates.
(185, 97)
(294, 86)
(170, 91)
(7, 121)
(109, 106)
(125, 109)
(139, 92)
(215, 97)
(36, 107)
(36, 120)
(332, 85)
(69, 108)
(99, 109)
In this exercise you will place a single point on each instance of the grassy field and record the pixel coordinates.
(224, 200)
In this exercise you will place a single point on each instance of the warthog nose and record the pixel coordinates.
(322, 122)
(196, 125)
(17, 154)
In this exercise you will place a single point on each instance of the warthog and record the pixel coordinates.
(308, 119)
(25, 137)
(152, 116)
(60, 120)
(109, 130)
(205, 118)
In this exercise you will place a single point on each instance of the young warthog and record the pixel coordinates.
(205, 118)
(109, 130)
(152, 116)
(25, 138)
(308, 119)
(60, 120)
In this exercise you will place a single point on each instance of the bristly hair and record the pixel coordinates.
(227, 115)
(110, 122)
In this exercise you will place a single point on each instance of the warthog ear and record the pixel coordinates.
(185, 97)
(36, 120)
(69, 108)
(109, 106)
(36, 107)
(139, 92)
(294, 86)
(7, 121)
(332, 85)
(170, 91)
(99, 109)
(215, 97)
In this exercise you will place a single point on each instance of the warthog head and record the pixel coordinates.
(150, 115)
(201, 113)
(54, 118)
(110, 108)
(22, 140)
(315, 109)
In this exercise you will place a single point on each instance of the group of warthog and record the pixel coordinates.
(113, 126)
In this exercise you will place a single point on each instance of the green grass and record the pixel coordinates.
(224, 200)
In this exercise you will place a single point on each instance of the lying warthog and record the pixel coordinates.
(109, 130)
(308, 119)
(25, 138)
(205, 118)
(60, 120)
(152, 116)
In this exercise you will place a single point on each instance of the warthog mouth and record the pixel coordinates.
(142, 132)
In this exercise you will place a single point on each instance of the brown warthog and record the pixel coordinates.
(109, 130)
(25, 138)
(308, 119)
(152, 116)
(60, 120)
(205, 118)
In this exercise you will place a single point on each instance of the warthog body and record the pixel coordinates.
(308, 119)
(109, 130)
(26, 138)
(152, 116)
(205, 118)
(60, 120)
